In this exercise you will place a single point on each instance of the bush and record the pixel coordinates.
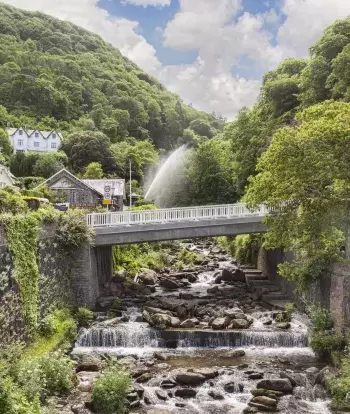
(246, 247)
(340, 387)
(73, 231)
(84, 317)
(188, 258)
(324, 344)
(14, 401)
(321, 319)
(48, 375)
(110, 391)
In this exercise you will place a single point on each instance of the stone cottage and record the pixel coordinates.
(86, 193)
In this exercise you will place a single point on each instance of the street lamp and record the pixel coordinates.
(130, 195)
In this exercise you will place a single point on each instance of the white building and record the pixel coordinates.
(6, 178)
(33, 140)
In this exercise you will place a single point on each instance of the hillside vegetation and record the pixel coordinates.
(54, 74)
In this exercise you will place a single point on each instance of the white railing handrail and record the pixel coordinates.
(166, 215)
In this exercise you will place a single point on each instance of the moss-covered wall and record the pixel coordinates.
(54, 285)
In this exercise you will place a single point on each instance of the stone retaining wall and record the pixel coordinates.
(331, 290)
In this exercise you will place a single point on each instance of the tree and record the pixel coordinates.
(49, 164)
(5, 144)
(93, 171)
(304, 175)
(85, 147)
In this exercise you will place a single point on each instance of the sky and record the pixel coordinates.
(212, 53)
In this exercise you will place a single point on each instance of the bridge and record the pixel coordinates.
(176, 223)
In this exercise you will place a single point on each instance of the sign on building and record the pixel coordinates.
(107, 195)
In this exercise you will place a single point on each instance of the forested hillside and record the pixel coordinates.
(54, 74)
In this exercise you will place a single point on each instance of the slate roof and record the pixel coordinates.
(30, 132)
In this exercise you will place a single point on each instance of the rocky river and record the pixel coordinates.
(202, 340)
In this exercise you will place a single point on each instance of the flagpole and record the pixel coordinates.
(130, 182)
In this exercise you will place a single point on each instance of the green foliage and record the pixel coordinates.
(22, 237)
(323, 344)
(49, 375)
(84, 317)
(12, 202)
(340, 387)
(5, 144)
(246, 248)
(304, 177)
(110, 391)
(82, 84)
(286, 315)
(13, 399)
(49, 164)
(186, 257)
(93, 171)
(72, 231)
(321, 319)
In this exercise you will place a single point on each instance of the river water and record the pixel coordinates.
(268, 352)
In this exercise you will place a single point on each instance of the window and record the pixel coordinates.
(20, 151)
(53, 145)
(36, 135)
(20, 132)
(2, 184)
(20, 142)
(36, 144)
(54, 135)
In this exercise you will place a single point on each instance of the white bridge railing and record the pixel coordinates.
(173, 215)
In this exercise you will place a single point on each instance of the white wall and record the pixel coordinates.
(36, 142)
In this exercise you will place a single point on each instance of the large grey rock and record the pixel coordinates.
(239, 324)
(215, 395)
(175, 322)
(189, 323)
(185, 393)
(162, 395)
(208, 373)
(189, 378)
(235, 313)
(277, 384)
(151, 309)
(147, 277)
(236, 353)
(219, 323)
(160, 321)
(169, 284)
(233, 387)
(232, 274)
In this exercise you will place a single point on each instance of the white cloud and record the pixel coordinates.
(306, 20)
(122, 33)
(146, 3)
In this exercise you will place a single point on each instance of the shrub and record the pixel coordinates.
(324, 344)
(14, 401)
(340, 387)
(48, 375)
(286, 316)
(321, 319)
(110, 391)
(246, 248)
(84, 317)
(188, 258)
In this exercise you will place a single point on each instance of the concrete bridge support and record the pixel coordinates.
(91, 268)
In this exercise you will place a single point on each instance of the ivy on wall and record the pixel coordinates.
(22, 237)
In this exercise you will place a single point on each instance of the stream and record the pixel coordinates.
(200, 370)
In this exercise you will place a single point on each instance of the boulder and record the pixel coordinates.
(146, 277)
(185, 393)
(267, 393)
(144, 377)
(235, 314)
(162, 395)
(151, 309)
(239, 324)
(256, 375)
(160, 321)
(190, 378)
(219, 323)
(168, 383)
(237, 353)
(283, 325)
(208, 373)
(169, 284)
(215, 395)
(288, 377)
(233, 387)
(191, 277)
(175, 322)
(213, 290)
(277, 384)
(232, 274)
(264, 403)
(89, 363)
(189, 323)
(250, 410)
(160, 356)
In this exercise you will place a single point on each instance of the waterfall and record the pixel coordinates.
(139, 335)
(165, 175)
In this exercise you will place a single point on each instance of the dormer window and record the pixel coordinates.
(54, 135)
(37, 135)
(20, 132)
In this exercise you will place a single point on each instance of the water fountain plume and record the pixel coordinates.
(167, 175)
